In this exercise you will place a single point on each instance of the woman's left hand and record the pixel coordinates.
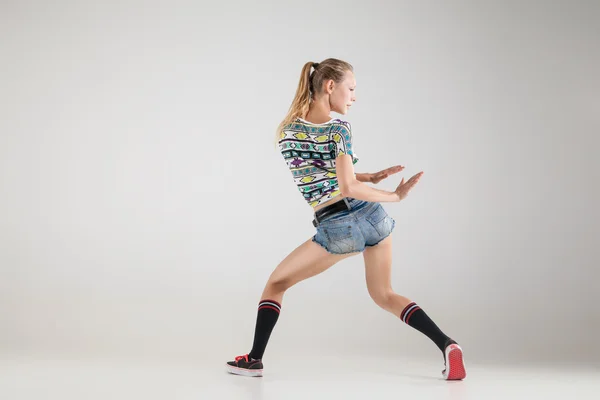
(381, 175)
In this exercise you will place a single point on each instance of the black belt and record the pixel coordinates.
(331, 209)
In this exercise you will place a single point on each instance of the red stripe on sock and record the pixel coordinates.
(268, 306)
(411, 313)
(406, 308)
(270, 301)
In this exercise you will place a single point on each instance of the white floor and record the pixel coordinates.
(322, 378)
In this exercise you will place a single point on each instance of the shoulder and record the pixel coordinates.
(294, 124)
(342, 127)
(338, 121)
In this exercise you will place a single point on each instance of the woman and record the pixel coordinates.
(348, 217)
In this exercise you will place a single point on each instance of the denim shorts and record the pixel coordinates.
(350, 231)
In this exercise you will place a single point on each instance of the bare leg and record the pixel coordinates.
(378, 271)
(307, 260)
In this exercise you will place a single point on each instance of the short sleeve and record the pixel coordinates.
(342, 138)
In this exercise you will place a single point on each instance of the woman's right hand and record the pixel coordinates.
(404, 187)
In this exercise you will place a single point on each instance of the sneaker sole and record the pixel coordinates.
(243, 371)
(455, 365)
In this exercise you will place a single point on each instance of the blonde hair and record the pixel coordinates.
(311, 84)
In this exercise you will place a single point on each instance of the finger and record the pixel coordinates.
(416, 179)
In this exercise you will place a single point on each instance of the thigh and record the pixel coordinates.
(378, 266)
(307, 260)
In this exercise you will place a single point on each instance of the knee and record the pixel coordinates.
(277, 284)
(382, 297)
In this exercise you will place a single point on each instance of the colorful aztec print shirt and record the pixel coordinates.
(310, 151)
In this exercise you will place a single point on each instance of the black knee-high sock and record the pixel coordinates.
(268, 313)
(414, 316)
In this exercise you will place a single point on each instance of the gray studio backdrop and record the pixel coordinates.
(143, 204)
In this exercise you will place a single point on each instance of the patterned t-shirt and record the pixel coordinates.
(310, 151)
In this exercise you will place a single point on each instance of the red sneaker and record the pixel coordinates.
(244, 365)
(455, 365)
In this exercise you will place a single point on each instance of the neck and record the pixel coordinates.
(319, 111)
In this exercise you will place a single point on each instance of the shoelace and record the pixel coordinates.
(244, 357)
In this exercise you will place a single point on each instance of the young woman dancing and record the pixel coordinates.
(348, 216)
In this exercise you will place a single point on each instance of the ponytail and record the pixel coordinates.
(301, 103)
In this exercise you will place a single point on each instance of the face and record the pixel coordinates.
(341, 94)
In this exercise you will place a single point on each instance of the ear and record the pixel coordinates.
(329, 86)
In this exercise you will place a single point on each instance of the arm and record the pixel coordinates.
(363, 177)
(351, 186)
